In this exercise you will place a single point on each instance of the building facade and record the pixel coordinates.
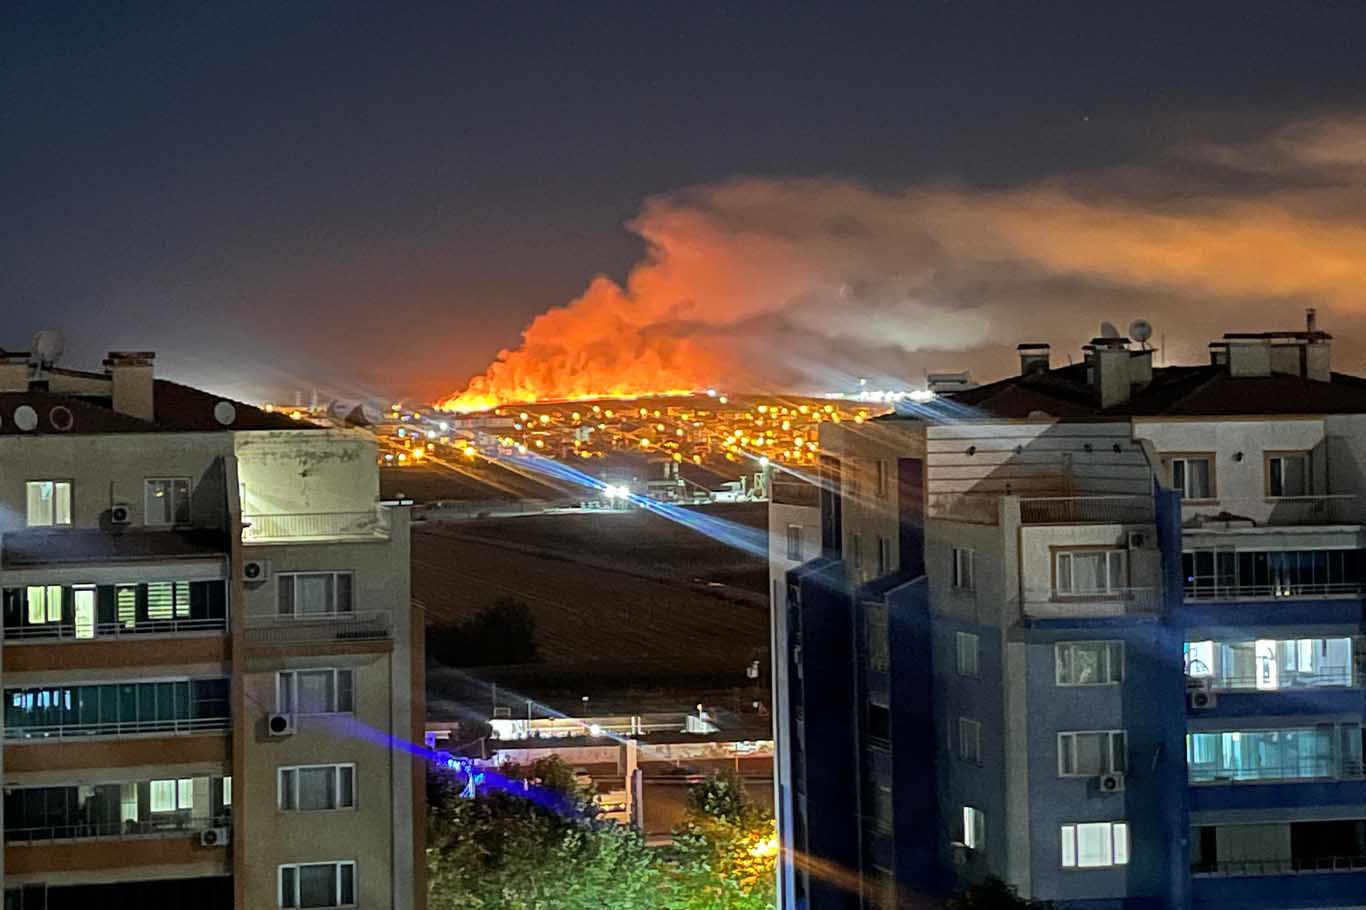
(210, 663)
(1095, 630)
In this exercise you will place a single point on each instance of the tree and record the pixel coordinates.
(534, 848)
(990, 894)
(726, 849)
(499, 635)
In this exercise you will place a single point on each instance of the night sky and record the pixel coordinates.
(374, 199)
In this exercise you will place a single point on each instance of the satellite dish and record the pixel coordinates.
(25, 418)
(224, 413)
(1108, 330)
(1140, 330)
(48, 346)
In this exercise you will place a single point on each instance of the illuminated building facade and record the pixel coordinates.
(1096, 630)
(208, 654)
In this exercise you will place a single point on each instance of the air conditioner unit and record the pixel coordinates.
(280, 724)
(1200, 699)
(1197, 683)
(1110, 783)
(1137, 540)
(214, 837)
(121, 514)
(256, 570)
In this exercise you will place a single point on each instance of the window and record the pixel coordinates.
(875, 636)
(884, 555)
(883, 476)
(962, 569)
(856, 547)
(49, 503)
(1193, 476)
(172, 795)
(114, 709)
(315, 593)
(326, 691)
(1288, 474)
(227, 791)
(310, 788)
(1087, 754)
(967, 647)
(1095, 845)
(1270, 664)
(974, 828)
(44, 604)
(1271, 573)
(318, 885)
(794, 543)
(879, 723)
(1084, 573)
(1283, 754)
(1089, 663)
(166, 501)
(168, 600)
(970, 740)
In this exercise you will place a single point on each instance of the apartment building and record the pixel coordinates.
(209, 658)
(1095, 629)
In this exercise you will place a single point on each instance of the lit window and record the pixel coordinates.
(1087, 754)
(970, 740)
(318, 885)
(172, 795)
(44, 604)
(967, 657)
(1089, 663)
(315, 593)
(974, 828)
(167, 501)
(324, 691)
(1192, 476)
(227, 791)
(1288, 474)
(49, 502)
(963, 569)
(1083, 573)
(1095, 845)
(311, 788)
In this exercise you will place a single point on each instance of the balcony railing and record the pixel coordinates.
(260, 528)
(1116, 602)
(1072, 510)
(1304, 769)
(1335, 679)
(1299, 866)
(169, 826)
(170, 727)
(1272, 511)
(272, 630)
(1202, 590)
(71, 631)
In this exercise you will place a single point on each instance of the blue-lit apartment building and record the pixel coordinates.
(1096, 630)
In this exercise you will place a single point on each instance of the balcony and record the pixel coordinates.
(170, 826)
(322, 628)
(1045, 604)
(1299, 866)
(972, 508)
(297, 527)
(1075, 510)
(168, 727)
(47, 632)
(1271, 512)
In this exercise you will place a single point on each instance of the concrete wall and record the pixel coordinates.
(306, 471)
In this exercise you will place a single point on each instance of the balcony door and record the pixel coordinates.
(83, 604)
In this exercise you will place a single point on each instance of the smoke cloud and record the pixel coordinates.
(806, 285)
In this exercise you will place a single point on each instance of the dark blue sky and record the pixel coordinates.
(377, 197)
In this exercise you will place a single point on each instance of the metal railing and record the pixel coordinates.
(172, 727)
(171, 825)
(1312, 865)
(1272, 511)
(259, 527)
(48, 631)
(1342, 678)
(325, 627)
(1304, 769)
(1068, 510)
(1214, 590)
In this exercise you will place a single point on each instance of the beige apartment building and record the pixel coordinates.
(210, 662)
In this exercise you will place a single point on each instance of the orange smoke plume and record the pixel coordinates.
(803, 285)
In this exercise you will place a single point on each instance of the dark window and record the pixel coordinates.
(879, 722)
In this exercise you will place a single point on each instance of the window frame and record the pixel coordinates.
(294, 613)
(293, 689)
(1171, 458)
(1109, 752)
(961, 580)
(884, 555)
(974, 828)
(1110, 591)
(966, 726)
(293, 902)
(146, 500)
(70, 485)
(1117, 846)
(1281, 455)
(794, 553)
(961, 638)
(337, 777)
(883, 469)
(1112, 645)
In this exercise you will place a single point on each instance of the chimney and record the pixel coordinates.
(1033, 358)
(130, 374)
(1109, 358)
(14, 372)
